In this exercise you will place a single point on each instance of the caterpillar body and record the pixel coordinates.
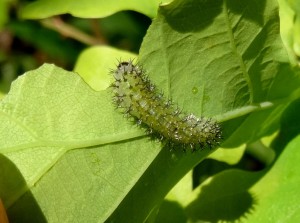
(138, 97)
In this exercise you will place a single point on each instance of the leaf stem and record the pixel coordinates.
(57, 24)
(261, 152)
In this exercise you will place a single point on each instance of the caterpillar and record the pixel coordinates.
(136, 96)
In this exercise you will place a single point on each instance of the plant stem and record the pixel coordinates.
(261, 152)
(67, 30)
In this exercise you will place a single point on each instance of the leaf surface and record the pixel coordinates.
(64, 141)
(228, 64)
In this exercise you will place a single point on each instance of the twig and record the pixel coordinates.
(67, 30)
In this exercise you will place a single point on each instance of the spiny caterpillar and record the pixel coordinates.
(138, 97)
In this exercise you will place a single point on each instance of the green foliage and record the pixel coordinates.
(3, 13)
(67, 155)
(290, 27)
(88, 8)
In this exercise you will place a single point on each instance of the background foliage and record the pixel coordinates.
(68, 156)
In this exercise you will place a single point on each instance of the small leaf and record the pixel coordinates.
(93, 61)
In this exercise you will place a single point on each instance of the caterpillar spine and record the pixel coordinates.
(138, 97)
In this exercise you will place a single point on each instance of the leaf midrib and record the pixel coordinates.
(237, 54)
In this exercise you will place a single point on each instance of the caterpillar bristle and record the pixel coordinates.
(137, 97)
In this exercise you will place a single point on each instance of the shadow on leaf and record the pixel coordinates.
(225, 198)
(18, 200)
(179, 14)
(170, 211)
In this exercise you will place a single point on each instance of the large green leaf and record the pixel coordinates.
(63, 139)
(88, 8)
(221, 59)
(228, 63)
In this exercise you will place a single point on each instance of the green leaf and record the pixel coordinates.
(229, 63)
(87, 9)
(64, 141)
(267, 196)
(163, 173)
(287, 25)
(290, 27)
(231, 156)
(94, 60)
(276, 191)
(235, 195)
(224, 197)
